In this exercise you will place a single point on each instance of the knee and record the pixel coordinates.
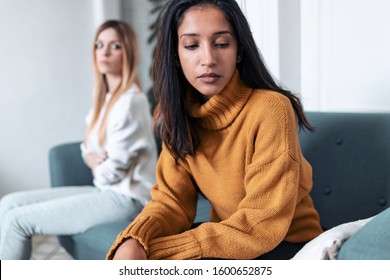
(13, 210)
(9, 202)
(17, 220)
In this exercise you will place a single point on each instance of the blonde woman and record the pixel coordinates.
(118, 146)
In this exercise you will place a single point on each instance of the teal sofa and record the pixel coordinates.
(349, 153)
(67, 168)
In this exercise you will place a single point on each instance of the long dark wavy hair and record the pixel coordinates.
(172, 123)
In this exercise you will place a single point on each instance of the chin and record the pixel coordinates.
(209, 93)
(103, 70)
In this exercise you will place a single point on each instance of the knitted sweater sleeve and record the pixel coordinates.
(171, 210)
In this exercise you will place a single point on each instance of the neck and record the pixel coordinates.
(221, 109)
(113, 81)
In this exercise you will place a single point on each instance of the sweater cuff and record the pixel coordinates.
(182, 246)
(142, 229)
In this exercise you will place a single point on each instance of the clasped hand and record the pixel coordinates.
(131, 249)
(94, 159)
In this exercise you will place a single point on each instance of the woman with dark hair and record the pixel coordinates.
(119, 147)
(228, 131)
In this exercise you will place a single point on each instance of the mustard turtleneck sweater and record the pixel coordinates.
(249, 166)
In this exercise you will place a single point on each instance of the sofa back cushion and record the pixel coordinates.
(66, 166)
(350, 156)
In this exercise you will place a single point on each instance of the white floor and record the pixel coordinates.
(48, 248)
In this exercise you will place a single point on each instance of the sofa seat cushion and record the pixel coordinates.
(95, 242)
(371, 242)
(202, 210)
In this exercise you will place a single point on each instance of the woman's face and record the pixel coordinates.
(109, 53)
(207, 49)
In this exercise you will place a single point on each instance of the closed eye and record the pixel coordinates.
(222, 45)
(191, 47)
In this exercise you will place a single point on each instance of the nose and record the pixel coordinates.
(208, 56)
(106, 50)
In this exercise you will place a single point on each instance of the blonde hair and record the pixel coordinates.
(131, 54)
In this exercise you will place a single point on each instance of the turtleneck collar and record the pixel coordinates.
(221, 109)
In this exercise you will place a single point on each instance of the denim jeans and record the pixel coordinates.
(57, 211)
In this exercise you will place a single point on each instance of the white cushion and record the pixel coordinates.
(326, 246)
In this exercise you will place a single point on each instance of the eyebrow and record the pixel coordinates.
(113, 41)
(196, 34)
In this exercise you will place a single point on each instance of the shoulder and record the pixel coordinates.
(269, 106)
(133, 100)
(130, 108)
(270, 97)
(271, 125)
(134, 95)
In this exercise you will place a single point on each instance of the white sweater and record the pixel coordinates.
(130, 145)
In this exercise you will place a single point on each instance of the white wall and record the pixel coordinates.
(345, 55)
(137, 14)
(45, 84)
(290, 46)
(263, 20)
(334, 53)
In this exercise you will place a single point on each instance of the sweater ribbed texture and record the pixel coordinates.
(250, 167)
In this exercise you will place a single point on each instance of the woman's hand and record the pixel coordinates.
(131, 249)
(94, 159)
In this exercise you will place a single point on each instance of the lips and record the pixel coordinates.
(209, 77)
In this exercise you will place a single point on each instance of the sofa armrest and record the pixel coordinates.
(67, 167)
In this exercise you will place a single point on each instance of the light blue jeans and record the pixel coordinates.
(57, 211)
